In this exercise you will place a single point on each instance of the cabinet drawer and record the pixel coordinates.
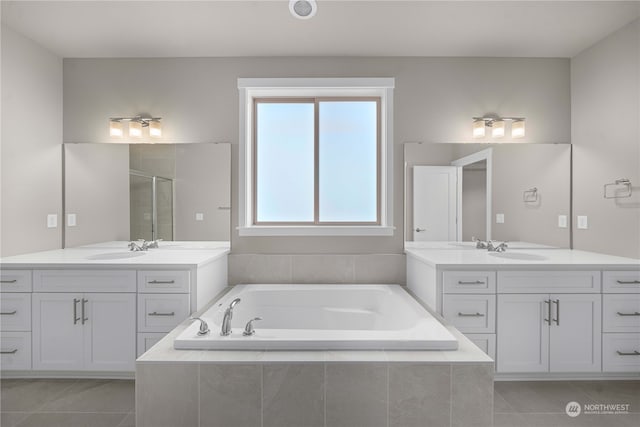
(621, 282)
(84, 281)
(469, 282)
(471, 313)
(16, 351)
(15, 312)
(15, 280)
(163, 281)
(486, 343)
(621, 352)
(621, 313)
(146, 340)
(529, 282)
(161, 312)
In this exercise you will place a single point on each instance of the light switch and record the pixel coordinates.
(562, 221)
(199, 217)
(52, 220)
(582, 222)
(500, 218)
(71, 220)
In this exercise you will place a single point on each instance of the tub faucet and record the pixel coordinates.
(204, 327)
(226, 320)
(248, 329)
(500, 248)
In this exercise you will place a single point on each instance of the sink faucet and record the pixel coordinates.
(480, 244)
(135, 247)
(500, 248)
(226, 320)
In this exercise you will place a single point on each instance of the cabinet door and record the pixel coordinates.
(523, 333)
(575, 333)
(110, 332)
(57, 332)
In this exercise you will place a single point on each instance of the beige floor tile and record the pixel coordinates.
(540, 396)
(11, 419)
(624, 392)
(94, 396)
(30, 395)
(72, 419)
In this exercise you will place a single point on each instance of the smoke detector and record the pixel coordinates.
(303, 9)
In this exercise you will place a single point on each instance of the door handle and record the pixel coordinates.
(8, 313)
(635, 313)
(75, 310)
(548, 318)
(14, 351)
(84, 319)
(420, 230)
(628, 282)
(557, 319)
(470, 314)
(632, 353)
(9, 281)
(161, 282)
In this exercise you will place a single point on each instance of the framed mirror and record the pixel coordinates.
(518, 193)
(122, 192)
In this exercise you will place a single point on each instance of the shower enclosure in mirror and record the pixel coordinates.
(506, 192)
(117, 192)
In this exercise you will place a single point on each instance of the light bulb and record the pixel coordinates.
(498, 129)
(517, 129)
(135, 129)
(115, 128)
(478, 129)
(155, 129)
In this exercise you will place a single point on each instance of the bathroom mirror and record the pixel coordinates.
(504, 192)
(173, 192)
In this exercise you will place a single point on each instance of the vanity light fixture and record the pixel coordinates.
(136, 125)
(498, 126)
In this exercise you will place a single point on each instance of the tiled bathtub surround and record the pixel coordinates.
(331, 394)
(379, 268)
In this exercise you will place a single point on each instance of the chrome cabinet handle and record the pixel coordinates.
(8, 313)
(628, 282)
(633, 353)
(635, 313)
(155, 313)
(548, 319)
(9, 281)
(161, 282)
(75, 311)
(557, 319)
(84, 319)
(476, 282)
(420, 230)
(470, 314)
(14, 351)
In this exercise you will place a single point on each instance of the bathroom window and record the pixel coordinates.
(315, 157)
(316, 160)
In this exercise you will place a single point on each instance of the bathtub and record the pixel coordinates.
(321, 317)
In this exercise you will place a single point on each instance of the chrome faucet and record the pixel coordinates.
(500, 248)
(204, 327)
(226, 320)
(248, 329)
(135, 247)
(480, 244)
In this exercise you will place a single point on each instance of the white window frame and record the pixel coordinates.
(250, 88)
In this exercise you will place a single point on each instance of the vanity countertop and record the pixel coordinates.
(534, 258)
(117, 255)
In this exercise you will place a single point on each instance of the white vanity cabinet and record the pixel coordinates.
(15, 319)
(84, 331)
(621, 321)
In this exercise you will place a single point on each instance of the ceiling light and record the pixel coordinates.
(303, 9)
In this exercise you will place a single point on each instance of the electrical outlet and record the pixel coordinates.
(583, 224)
(500, 218)
(71, 220)
(199, 216)
(562, 221)
(52, 221)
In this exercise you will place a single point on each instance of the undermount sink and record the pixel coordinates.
(116, 255)
(518, 255)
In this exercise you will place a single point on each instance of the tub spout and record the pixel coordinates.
(226, 320)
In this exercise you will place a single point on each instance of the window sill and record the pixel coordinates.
(277, 230)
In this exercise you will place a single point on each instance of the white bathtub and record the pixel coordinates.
(321, 317)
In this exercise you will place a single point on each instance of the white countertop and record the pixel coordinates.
(537, 258)
(116, 254)
(471, 245)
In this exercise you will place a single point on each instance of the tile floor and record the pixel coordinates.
(110, 403)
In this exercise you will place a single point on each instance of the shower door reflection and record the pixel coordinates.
(151, 202)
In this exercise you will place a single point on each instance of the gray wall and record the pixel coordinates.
(97, 191)
(31, 177)
(203, 186)
(605, 116)
(435, 99)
